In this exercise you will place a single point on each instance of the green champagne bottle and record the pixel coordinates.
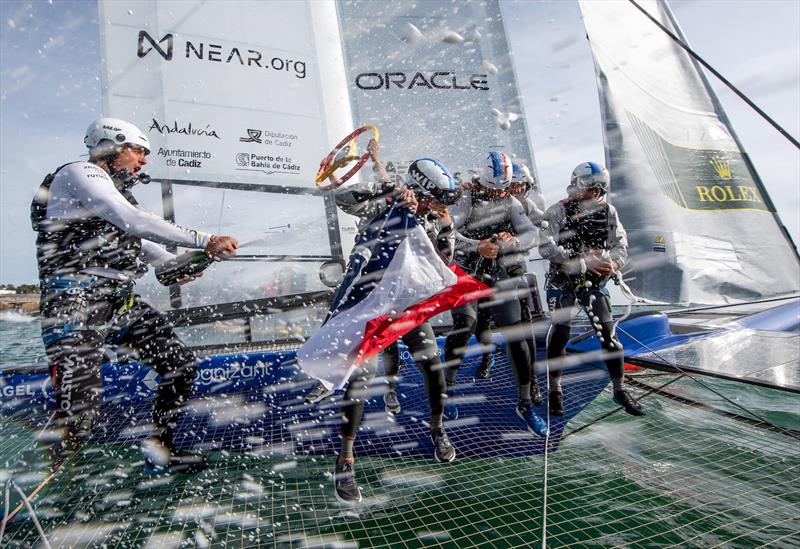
(190, 263)
(486, 269)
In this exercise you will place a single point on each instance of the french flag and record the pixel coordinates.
(395, 281)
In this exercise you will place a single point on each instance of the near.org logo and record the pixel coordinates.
(219, 54)
(166, 54)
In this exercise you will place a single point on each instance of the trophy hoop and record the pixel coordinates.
(341, 155)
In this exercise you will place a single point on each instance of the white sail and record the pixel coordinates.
(701, 226)
(241, 102)
(437, 77)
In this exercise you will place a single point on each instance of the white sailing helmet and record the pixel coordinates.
(494, 171)
(105, 136)
(431, 178)
(590, 175)
(521, 173)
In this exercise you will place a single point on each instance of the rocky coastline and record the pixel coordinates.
(23, 303)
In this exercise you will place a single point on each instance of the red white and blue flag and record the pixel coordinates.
(395, 281)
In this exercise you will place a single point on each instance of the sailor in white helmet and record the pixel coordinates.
(493, 235)
(93, 243)
(521, 188)
(586, 245)
(524, 188)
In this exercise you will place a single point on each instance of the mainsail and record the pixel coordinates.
(701, 226)
(241, 102)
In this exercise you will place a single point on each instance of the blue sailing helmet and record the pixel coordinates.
(590, 175)
(494, 171)
(428, 177)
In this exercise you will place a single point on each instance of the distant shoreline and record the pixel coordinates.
(24, 303)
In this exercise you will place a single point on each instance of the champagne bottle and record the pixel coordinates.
(190, 263)
(485, 269)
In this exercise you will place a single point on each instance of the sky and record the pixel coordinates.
(50, 91)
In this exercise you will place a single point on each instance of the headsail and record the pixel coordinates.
(701, 226)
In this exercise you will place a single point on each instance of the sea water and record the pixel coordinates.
(679, 476)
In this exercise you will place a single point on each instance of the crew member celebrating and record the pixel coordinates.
(93, 243)
(493, 235)
(428, 189)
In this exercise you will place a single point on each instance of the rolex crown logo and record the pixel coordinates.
(721, 166)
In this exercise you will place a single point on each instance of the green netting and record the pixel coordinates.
(682, 476)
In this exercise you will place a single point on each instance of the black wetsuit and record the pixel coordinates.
(479, 219)
(573, 229)
(87, 266)
(421, 341)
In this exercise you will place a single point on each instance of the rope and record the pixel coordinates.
(545, 473)
(26, 503)
(722, 79)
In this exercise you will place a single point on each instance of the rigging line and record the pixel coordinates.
(545, 473)
(34, 518)
(737, 304)
(724, 80)
(614, 411)
(690, 376)
(724, 413)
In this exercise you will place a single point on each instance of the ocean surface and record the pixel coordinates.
(684, 475)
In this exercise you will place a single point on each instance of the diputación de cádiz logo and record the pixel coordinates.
(659, 244)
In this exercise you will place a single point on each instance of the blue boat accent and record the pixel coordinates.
(784, 318)
(637, 335)
(254, 403)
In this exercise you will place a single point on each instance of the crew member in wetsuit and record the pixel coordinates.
(493, 236)
(521, 183)
(586, 244)
(429, 187)
(433, 195)
(93, 243)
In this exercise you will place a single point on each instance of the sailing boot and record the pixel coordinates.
(624, 399)
(556, 401)
(445, 452)
(485, 368)
(317, 394)
(344, 483)
(533, 422)
(392, 403)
